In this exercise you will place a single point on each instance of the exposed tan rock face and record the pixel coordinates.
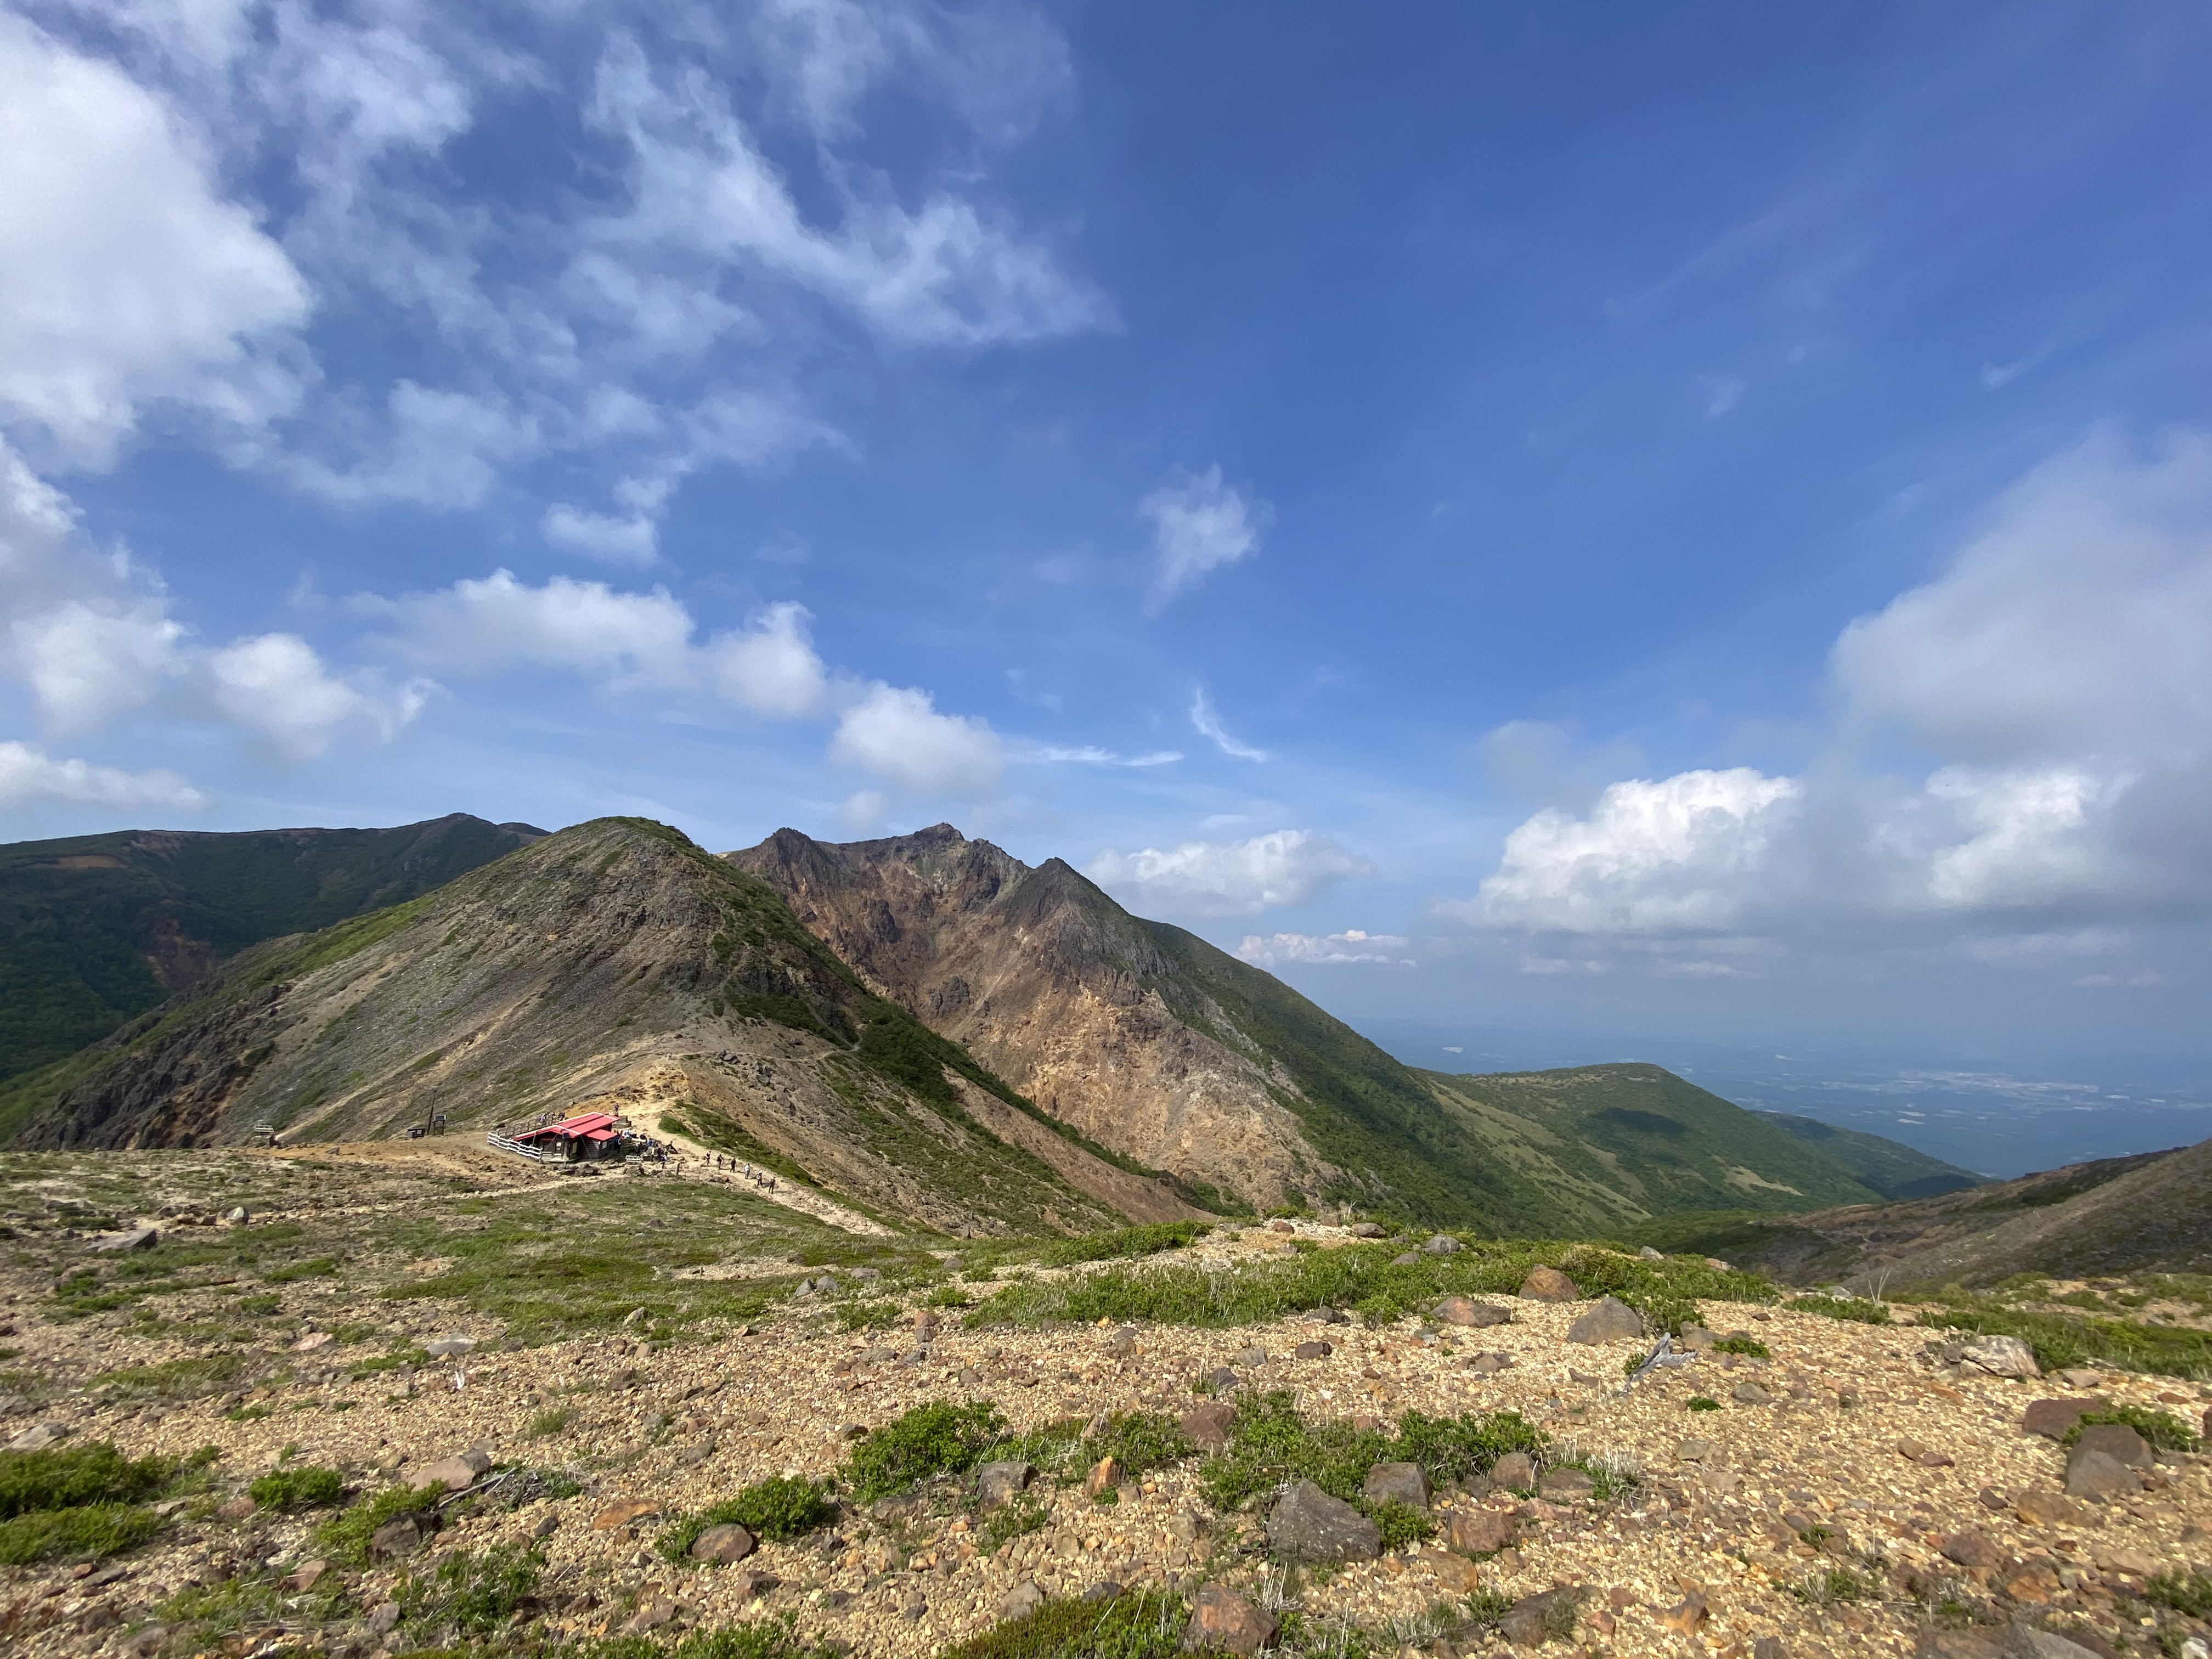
(614, 967)
(1057, 989)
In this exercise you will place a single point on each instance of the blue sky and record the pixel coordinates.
(1690, 517)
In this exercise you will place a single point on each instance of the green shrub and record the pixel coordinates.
(942, 1438)
(471, 1594)
(2189, 1593)
(2163, 1429)
(89, 1530)
(1123, 1243)
(2061, 1342)
(1458, 1447)
(775, 1511)
(1857, 1310)
(1702, 1404)
(1488, 1605)
(304, 1488)
(63, 1478)
(1142, 1441)
(1401, 1524)
(1140, 1626)
(345, 1538)
(1750, 1345)
(552, 1420)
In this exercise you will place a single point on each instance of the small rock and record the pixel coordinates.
(1307, 1524)
(1279, 1225)
(2099, 1475)
(1123, 1342)
(1973, 1548)
(130, 1238)
(1405, 1259)
(546, 1527)
(1455, 1572)
(1104, 1591)
(2131, 1562)
(2117, 1441)
(237, 1508)
(1695, 1451)
(1223, 1618)
(1401, 1483)
(1488, 1364)
(1442, 1244)
(384, 1618)
(2048, 1508)
(1650, 1254)
(454, 1473)
(1221, 1379)
(1207, 1426)
(725, 1545)
(625, 1512)
(400, 1537)
(445, 1347)
(1248, 1357)
(1750, 1394)
(1993, 1497)
(307, 1575)
(1549, 1285)
(2054, 1419)
(1530, 1621)
(2026, 1641)
(1479, 1532)
(1565, 1486)
(651, 1614)
(235, 1215)
(1516, 1471)
(1768, 1647)
(1312, 1350)
(1610, 1321)
(38, 1436)
(1466, 1310)
(1365, 1229)
(1105, 1474)
(998, 1484)
(1689, 1617)
(1019, 1602)
(2002, 1356)
(748, 1585)
(311, 1340)
(2076, 1377)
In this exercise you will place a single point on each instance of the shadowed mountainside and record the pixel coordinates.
(96, 929)
(614, 965)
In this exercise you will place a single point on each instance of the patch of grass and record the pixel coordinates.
(174, 1379)
(1857, 1309)
(87, 1532)
(1123, 1243)
(1833, 1585)
(321, 1266)
(1026, 1513)
(470, 1593)
(305, 1488)
(1401, 1524)
(1141, 1625)
(1702, 1404)
(1455, 1448)
(2061, 1342)
(1141, 1441)
(345, 1538)
(2189, 1593)
(1486, 1606)
(942, 1438)
(775, 1510)
(64, 1478)
(1364, 1277)
(552, 1420)
(1750, 1345)
(2163, 1429)
(867, 1315)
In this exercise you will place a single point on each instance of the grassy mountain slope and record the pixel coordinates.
(614, 964)
(97, 929)
(1619, 1144)
(1890, 1167)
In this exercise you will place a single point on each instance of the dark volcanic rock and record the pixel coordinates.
(1307, 1524)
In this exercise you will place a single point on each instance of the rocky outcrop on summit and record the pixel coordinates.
(1138, 1035)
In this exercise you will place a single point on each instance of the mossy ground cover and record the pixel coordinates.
(77, 1501)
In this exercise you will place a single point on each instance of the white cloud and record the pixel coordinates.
(87, 663)
(276, 686)
(494, 623)
(771, 667)
(129, 279)
(1281, 950)
(1228, 878)
(1208, 726)
(1090, 755)
(898, 735)
(634, 540)
(28, 775)
(1679, 854)
(434, 448)
(1198, 524)
(2057, 679)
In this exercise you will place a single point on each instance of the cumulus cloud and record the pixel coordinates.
(771, 667)
(1198, 524)
(1228, 878)
(1282, 950)
(29, 776)
(494, 623)
(1208, 726)
(130, 278)
(898, 735)
(277, 687)
(2056, 680)
(630, 540)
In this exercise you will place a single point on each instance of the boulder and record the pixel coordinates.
(1442, 1244)
(1399, 1483)
(1222, 1619)
(1365, 1229)
(2048, 1508)
(1307, 1524)
(1536, 1619)
(2055, 1419)
(1019, 1602)
(1695, 1451)
(38, 1436)
(1405, 1259)
(2099, 1475)
(454, 1473)
(1549, 1285)
(445, 1347)
(1207, 1426)
(1565, 1486)
(1750, 1394)
(998, 1484)
(1105, 1474)
(1248, 1357)
(1648, 1254)
(1466, 1310)
(2117, 1441)
(725, 1545)
(1312, 1350)
(1973, 1549)
(1610, 1321)
(2001, 1356)
(130, 1238)
(400, 1537)
(1479, 1532)
(1455, 1572)
(625, 1512)
(2024, 1641)
(1516, 1471)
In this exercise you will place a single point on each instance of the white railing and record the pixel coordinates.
(506, 1143)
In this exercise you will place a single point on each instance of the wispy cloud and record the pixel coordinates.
(1208, 725)
(1198, 524)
